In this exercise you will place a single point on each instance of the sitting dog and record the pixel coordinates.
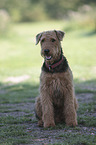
(56, 102)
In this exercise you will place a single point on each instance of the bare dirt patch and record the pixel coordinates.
(85, 97)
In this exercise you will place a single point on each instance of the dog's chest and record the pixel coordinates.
(55, 88)
(54, 85)
(57, 91)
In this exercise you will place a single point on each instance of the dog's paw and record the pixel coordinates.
(72, 123)
(40, 123)
(51, 124)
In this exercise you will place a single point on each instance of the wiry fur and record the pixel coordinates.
(56, 102)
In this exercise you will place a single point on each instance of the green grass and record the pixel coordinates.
(9, 133)
(19, 57)
(77, 139)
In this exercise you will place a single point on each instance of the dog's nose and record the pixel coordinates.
(46, 51)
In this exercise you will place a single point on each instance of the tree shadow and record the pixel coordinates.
(26, 92)
(87, 85)
(18, 93)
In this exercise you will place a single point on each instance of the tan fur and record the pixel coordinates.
(57, 102)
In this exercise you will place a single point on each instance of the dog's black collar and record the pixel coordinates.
(61, 66)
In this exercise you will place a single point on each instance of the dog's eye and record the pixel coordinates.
(53, 40)
(42, 40)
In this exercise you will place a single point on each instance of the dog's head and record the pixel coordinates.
(50, 45)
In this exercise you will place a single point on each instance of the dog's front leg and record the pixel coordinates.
(47, 111)
(69, 110)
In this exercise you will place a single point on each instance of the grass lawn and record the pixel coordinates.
(20, 66)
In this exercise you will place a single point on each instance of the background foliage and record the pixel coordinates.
(31, 10)
(79, 11)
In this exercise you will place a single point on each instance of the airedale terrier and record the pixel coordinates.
(56, 102)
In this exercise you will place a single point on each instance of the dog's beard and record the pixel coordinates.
(50, 58)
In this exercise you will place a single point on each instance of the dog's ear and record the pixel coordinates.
(38, 37)
(60, 34)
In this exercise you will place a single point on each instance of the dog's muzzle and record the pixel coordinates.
(47, 55)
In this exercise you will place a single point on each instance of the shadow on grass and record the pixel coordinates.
(25, 92)
(88, 86)
(18, 93)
